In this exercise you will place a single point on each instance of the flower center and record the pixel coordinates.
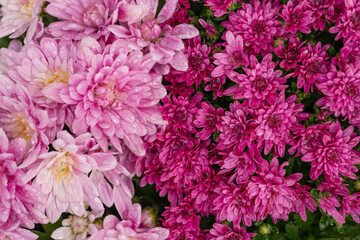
(150, 31)
(274, 121)
(350, 91)
(18, 127)
(260, 83)
(92, 16)
(62, 167)
(196, 61)
(259, 27)
(28, 7)
(58, 76)
(79, 225)
(237, 58)
(107, 94)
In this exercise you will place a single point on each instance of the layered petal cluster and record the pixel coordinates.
(62, 175)
(21, 118)
(231, 58)
(290, 54)
(117, 98)
(81, 18)
(314, 66)
(258, 24)
(208, 119)
(297, 17)
(220, 7)
(275, 122)
(223, 232)
(142, 30)
(20, 202)
(341, 89)
(272, 192)
(348, 27)
(334, 155)
(18, 16)
(259, 84)
(133, 226)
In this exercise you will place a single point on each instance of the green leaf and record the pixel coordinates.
(292, 230)
(50, 227)
(340, 229)
(309, 220)
(324, 222)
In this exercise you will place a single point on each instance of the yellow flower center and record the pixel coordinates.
(19, 127)
(28, 7)
(58, 76)
(62, 168)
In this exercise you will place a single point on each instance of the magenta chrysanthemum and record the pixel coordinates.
(219, 6)
(260, 83)
(223, 232)
(208, 119)
(297, 18)
(291, 54)
(335, 154)
(257, 23)
(275, 122)
(341, 89)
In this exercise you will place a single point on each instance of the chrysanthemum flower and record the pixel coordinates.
(319, 9)
(81, 18)
(341, 89)
(314, 66)
(200, 64)
(20, 202)
(349, 26)
(297, 17)
(351, 205)
(235, 128)
(21, 118)
(231, 58)
(233, 204)
(257, 23)
(220, 7)
(223, 232)
(274, 123)
(349, 55)
(335, 154)
(303, 200)
(17, 16)
(45, 69)
(208, 119)
(62, 175)
(131, 227)
(291, 54)
(76, 227)
(144, 31)
(117, 98)
(260, 83)
(271, 192)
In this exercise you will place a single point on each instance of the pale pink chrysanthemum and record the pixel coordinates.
(271, 192)
(314, 66)
(79, 18)
(349, 25)
(219, 6)
(17, 16)
(144, 31)
(76, 227)
(117, 98)
(259, 84)
(208, 119)
(62, 175)
(233, 204)
(133, 226)
(18, 233)
(20, 202)
(231, 58)
(341, 89)
(258, 24)
(291, 54)
(335, 154)
(223, 232)
(297, 18)
(21, 118)
(275, 122)
(45, 69)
